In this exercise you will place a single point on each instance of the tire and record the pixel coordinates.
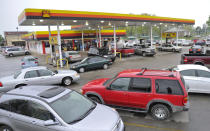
(105, 66)
(160, 112)
(81, 70)
(5, 128)
(27, 53)
(20, 85)
(11, 55)
(199, 63)
(173, 50)
(67, 81)
(144, 54)
(96, 99)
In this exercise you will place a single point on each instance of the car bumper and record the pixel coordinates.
(181, 108)
(150, 53)
(76, 77)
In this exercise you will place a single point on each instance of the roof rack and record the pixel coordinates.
(142, 71)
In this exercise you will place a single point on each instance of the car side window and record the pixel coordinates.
(140, 85)
(31, 74)
(45, 72)
(188, 73)
(171, 87)
(92, 60)
(30, 109)
(120, 84)
(5, 106)
(202, 73)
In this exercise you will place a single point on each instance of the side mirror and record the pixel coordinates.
(50, 123)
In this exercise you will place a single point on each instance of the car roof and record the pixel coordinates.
(146, 72)
(191, 66)
(34, 68)
(44, 93)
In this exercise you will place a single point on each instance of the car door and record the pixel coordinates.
(29, 116)
(92, 63)
(21, 51)
(117, 92)
(140, 92)
(31, 78)
(190, 79)
(203, 78)
(47, 77)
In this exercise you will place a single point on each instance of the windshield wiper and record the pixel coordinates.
(83, 116)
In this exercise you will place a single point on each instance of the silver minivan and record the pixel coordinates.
(50, 108)
(15, 51)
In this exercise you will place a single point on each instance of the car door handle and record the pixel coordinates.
(33, 122)
(26, 80)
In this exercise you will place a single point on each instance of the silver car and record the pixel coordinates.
(38, 76)
(197, 77)
(73, 56)
(15, 51)
(50, 108)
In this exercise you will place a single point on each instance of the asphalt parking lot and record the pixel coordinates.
(196, 119)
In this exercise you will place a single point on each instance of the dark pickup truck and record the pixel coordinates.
(200, 59)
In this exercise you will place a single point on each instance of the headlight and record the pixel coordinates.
(73, 67)
(81, 91)
(76, 75)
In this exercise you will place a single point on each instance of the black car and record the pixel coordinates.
(91, 63)
(103, 52)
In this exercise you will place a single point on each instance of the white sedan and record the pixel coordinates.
(38, 76)
(197, 77)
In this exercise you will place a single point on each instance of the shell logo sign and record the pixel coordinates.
(53, 40)
(168, 35)
(46, 13)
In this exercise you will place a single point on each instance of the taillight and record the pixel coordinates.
(199, 49)
(185, 100)
(190, 50)
(185, 60)
(70, 56)
(23, 63)
(36, 62)
(1, 85)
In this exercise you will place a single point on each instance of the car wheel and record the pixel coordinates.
(5, 128)
(105, 66)
(20, 85)
(11, 55)
(160, 112)
(173, 50)
(81, 70)
(27, 53)
(96, 99)
(144, 54)
(67, 81)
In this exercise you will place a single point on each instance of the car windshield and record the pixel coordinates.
(73, 107)
(109, 80)
(73, 53)
(16, 74)
(84, 60)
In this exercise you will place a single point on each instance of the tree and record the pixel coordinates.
(1, 39)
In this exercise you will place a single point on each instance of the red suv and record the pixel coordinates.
(157, 92)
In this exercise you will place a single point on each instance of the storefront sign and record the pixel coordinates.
(53, 40)
(46, 13)
(168, 35)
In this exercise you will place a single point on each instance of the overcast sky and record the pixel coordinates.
(189, 9)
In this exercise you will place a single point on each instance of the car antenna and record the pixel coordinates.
(142, 71)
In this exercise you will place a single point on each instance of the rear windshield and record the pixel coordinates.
(182, 79)
(17, 74)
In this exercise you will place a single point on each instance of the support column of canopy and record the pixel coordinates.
(59, 45)
(96, 38)
(115, 43)
(161, 32)
(151, 35)
(83, 48)
(100, 44)
(177, 35)
(51, 53)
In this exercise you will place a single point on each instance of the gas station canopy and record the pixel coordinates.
(45, 17)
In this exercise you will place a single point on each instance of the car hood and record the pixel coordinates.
(102, 118)
(76, 64)
(7, 78)
(96, 82)
(66, 72)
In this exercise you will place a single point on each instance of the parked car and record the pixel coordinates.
(200, 42)
(140, 90)
(73, 56)
(103, 52)
(170, 47)
(29, 61)
(144, 50)
(126, 51)
(187, 43)
(91, 63)
(15, 51)
(208, 42)
(199, 59)
(38, 76)
(50, 108)
(197, 77)
(196, 49)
